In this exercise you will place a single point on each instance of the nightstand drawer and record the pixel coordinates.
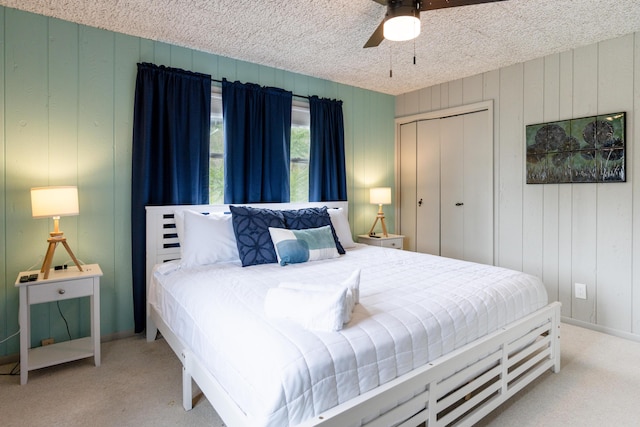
(60, 291)
(391, 243)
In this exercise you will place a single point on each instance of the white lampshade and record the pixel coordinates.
(380, 196)
(401, 28)
(47, 202)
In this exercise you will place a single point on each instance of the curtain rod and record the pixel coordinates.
(293, 94)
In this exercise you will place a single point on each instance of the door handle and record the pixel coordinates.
(459, 204)
(419, 202)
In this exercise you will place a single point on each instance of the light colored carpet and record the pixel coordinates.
(139, 384)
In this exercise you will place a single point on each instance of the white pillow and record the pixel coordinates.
(206, 239)
(341, 225)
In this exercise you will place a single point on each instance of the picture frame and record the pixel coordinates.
(582, 150)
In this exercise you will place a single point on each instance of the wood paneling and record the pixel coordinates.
(565, 233)
(565, 194)
(5, 325)
(66, 118)
(583, 218)
(633, 173)
(511, 181)
(550, 209)
(615, 200)
(533, 195)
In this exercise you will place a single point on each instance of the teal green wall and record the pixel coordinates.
(66, 108)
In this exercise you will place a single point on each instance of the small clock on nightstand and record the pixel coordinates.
(391, 241)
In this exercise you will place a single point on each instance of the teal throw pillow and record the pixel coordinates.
(296, 246)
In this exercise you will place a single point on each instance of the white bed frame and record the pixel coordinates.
(459, 388)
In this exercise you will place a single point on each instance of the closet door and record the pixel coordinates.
(452, 176)
(446, 186)
(408, 192)
(478, 189)
(428, 187)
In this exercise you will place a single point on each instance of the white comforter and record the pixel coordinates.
(413, 308)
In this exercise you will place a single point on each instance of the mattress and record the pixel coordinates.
(413, 309)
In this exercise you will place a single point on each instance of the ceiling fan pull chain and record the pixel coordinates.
(390, 63)
(414, 51)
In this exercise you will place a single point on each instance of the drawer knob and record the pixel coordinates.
(61, 291)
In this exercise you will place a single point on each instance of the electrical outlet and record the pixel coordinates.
(581, 291)
(47, 341)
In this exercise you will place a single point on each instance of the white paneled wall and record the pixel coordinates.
(564, 233)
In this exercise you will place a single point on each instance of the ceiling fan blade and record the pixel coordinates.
(382, 2)
(377, 36)
(441, 4)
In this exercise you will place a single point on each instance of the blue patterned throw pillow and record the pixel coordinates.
(301, 219)
(296, 246)
(251, 227)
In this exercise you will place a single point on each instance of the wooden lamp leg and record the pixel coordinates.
(384, 226)
(73, 257)
(373, 226)
(48, 258)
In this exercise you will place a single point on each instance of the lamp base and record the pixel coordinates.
(380, 218)
(48, 258)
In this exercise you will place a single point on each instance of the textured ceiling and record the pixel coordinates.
(324, 38)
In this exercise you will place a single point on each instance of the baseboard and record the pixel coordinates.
(603, 329)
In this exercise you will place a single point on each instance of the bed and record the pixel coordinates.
(433, 341)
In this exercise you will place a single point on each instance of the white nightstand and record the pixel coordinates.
(393, 241)
(61, 285)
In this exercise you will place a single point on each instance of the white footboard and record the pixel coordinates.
(462, 387)
(459, 388)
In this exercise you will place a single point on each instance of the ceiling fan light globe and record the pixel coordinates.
(401, 28)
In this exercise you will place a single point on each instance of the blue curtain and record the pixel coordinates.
(257, 141)
(171, 125)
(327, 172)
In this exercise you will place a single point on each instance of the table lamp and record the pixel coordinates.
(379, 196)
(54, 202)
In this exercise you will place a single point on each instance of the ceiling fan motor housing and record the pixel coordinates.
(397, 8)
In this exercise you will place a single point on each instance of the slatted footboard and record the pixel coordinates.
(461, 387)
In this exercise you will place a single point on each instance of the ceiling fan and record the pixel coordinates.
(402, 21)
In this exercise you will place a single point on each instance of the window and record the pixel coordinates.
(300, 142)
(216, 151)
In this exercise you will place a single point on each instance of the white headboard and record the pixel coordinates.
(162, 237)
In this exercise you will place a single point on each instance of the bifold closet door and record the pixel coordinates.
(408, 180)
(466, 188)
(452, 179)
(446, 186)
(428, 187)
(478, 188)
(420, 186)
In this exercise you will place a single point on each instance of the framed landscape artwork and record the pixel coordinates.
(588, 149)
